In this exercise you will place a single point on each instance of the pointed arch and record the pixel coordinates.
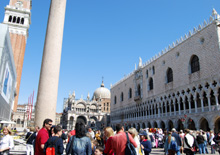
(194, 64)
(169, 75)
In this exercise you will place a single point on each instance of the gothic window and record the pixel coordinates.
(130, 93)
(153, 70)
(14, 19)
(10, 19)
(122, 97)
(115, 100)
(22, 20)
(146, 73)
(151, 84)
(139, 90)
(18, 20)
(194, 64)
(169, 75)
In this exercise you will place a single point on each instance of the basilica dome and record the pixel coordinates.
(102, 92)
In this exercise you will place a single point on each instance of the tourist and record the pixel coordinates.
(99, 151)
(108, 134)
(42, 137)
(211, 142)
(6, 142)
(178, 140)
(188, 143)
(167, 145)
(200, 140)
(56, 140)
(30, 137)
(91, 133)
(79, 144)
(37, 128)
(145, 142)
(216, 139)
(134, 134)
(205, 142)
(98, 137)
(119, 140)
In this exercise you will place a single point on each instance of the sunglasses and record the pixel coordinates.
(50, 124)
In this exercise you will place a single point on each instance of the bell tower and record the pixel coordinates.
(18, 18)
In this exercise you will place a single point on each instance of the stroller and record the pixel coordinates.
(160, 141)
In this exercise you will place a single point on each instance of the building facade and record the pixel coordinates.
(7, 75)
(94, 113)
(179, 87)
(18, 18)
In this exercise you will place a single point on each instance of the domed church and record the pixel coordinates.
(93, 112)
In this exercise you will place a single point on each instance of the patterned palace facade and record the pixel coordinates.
(179, 87)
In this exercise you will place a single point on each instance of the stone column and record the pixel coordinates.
(158, 111)
(179, 106)
(166, 108)
(184, 106)
(202, 105)
(170, 104)
(189, 101)
(209, 102)
(50, 67)
(174, 108)
(195, 103)
(216, 98)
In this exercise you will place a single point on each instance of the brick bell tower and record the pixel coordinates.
(18, 18)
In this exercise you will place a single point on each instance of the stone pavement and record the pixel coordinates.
(160, 151)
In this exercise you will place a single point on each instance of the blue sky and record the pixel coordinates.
(106, 38)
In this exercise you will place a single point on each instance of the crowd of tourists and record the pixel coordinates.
(84, 141)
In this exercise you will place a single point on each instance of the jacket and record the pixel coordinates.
(81, 146)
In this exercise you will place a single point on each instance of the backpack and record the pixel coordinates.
(173, 145)
(130, 149)
(50, 150)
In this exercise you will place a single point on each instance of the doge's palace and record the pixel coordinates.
(179, 87)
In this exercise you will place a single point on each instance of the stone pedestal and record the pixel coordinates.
(50, 67)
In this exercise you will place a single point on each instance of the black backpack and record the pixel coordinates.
(130, 149)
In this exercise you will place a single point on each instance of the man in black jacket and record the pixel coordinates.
(178, 140)
(216, 139)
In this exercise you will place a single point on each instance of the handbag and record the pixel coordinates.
(71, 147)
(130, 149)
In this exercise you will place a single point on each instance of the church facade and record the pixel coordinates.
(179, 87)
(93, 112)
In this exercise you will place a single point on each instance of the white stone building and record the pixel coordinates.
(8, 75)
(94, 113)
(179, 87)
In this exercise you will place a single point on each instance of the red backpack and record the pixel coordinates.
(50, 150)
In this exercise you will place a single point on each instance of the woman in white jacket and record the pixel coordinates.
(134, 134)
(6, 142)
(211, 142)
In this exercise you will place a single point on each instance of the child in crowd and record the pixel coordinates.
(99, 150)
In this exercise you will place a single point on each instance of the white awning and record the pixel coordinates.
(7, 122)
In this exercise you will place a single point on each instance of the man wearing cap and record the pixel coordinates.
(145, 143)
(119, 140)
(178, 140)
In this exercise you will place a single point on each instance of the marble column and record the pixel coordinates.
(195, 101)
(209, 102)
(50, 67)
(202, 105)
(189, 102)
(179, 106)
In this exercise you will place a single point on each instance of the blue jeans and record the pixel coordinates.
(205, 145)
(178, 152)
(201, 148)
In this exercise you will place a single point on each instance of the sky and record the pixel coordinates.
(105, 38)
